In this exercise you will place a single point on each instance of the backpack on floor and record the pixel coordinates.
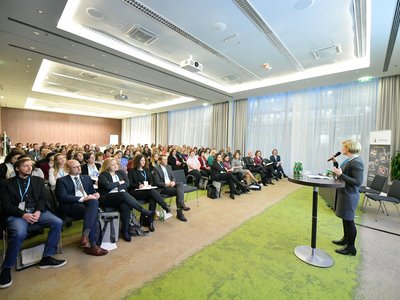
(212, 192)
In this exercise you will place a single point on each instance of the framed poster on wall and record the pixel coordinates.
(379, 154)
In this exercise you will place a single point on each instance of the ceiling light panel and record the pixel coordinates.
(59, 79)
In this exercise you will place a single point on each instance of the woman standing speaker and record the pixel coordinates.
(351, 171)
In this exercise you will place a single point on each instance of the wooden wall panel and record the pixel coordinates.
(38, 126)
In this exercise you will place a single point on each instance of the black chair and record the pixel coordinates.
(376, 188)
(180, 177)
(393, 196)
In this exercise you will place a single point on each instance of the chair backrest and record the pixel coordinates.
(394, 190)
(179, 175)
(378, 183)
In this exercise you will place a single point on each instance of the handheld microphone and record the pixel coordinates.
(336, 155)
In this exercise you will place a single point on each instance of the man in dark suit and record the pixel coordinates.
(164, 179)
(78, 200)
(24, 204)
(276, 159)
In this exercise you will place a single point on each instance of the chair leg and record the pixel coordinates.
(197, 195)
(364, 203)
(384, 205)
(377, 212)
(396, 205)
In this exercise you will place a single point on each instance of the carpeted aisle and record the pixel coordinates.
(256, 261)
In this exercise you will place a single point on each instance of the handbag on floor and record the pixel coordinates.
(212, 191)
(255, 187)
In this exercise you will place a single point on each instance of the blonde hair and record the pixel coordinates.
(106, 164)
(56, 165)
(353, 146)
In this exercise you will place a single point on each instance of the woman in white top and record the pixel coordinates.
(91, 167)
(57, 170)
(194, 168)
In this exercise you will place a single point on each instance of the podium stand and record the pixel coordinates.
(312, 255)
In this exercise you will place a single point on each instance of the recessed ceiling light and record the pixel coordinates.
(29, 58)
(36, 33)
(72, 45)
(303, 4)
(28, 66)
(65, 56)
(205, 104)
(95, 13)
(103, 55)
(1, 97)
(219, 26)
(32, 48)
(93, 65)
(40, 11)
(26, 71)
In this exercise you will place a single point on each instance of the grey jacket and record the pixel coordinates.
(347, 198)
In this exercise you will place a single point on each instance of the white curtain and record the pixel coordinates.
(190, 126)
(309, 125)
(137, 130)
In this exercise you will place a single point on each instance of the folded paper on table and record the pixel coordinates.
(318, 177)
(149, 187)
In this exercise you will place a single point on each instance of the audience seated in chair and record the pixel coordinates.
(140, 179)
(266, 167)
(174, 161)
(113, 185)
(22, 213)
(194, 168)
(58, 170)
(78, 200)
(219, 173)
(91, 167)
(7, 167)
(164, 179)
(238, 166)
(276, 159)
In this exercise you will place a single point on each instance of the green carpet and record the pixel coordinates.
(256, 260)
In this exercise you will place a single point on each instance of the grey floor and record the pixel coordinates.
(380, 269)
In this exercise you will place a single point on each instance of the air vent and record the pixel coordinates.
(71, 90)
(141, 34)
(328, 51)
(229, 77)
(89, 75)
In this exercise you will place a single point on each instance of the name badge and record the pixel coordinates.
(21, 205)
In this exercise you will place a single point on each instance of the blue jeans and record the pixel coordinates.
(17, 231)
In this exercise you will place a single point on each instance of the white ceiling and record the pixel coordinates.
(75, 56)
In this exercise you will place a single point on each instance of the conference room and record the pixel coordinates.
(254, 99)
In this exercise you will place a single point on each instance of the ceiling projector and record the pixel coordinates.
(191, 65)
(120, 97)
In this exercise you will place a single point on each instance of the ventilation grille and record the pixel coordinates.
(360, 24)
(141, 34)
(230, 77)
(155, 16)
(89, 75)
(328, 51)
(393, 35)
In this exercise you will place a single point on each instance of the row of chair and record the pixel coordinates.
(375, 193)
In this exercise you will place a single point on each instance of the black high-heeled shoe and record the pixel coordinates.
(340, 242)
(347, 251)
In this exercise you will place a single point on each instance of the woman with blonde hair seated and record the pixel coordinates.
(113, 185)
(57, 170)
